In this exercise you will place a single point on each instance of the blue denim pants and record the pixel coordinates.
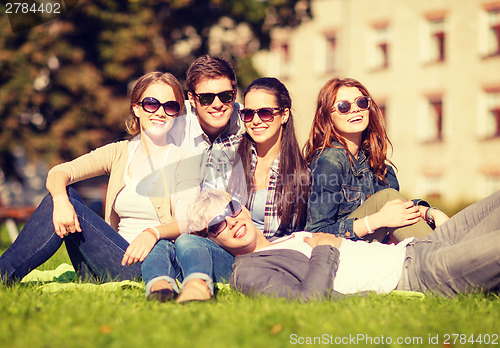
(161, 264)
(96, 252)
(203, 259)
(460, 256)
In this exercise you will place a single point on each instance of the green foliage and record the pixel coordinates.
(64, 83)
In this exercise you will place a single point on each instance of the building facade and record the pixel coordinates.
(432, 66)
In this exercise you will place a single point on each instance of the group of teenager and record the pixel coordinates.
(207, 190)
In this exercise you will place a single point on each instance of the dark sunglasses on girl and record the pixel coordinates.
(265, 114)
(219, 223)
(344, 106)
(208, 98)
(151, 105)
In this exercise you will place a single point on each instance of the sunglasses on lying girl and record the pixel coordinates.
(208, 98)
(219, 223)
(343, 106)
(265, 114)
(151, 105)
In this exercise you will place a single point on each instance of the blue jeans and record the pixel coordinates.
(161, 264)
(462, 255)
(95, 253)
(203, 259)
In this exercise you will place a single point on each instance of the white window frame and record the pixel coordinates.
(377, 60)
(427, 129)
(487, 124)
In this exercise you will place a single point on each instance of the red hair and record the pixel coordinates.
(374, 141)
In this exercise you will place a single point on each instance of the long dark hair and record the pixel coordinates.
(374, 141)
(292, 187)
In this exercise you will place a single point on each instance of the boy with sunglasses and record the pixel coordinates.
(211, 111)
(211, 120)
(461, 256)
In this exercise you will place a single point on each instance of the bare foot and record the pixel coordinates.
(194, 290)
(162, 291)
(160, 285)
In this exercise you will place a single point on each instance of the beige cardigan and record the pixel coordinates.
(183, 178)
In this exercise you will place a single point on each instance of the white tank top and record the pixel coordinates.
(133, 205)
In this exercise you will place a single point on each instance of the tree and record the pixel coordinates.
(64, 84)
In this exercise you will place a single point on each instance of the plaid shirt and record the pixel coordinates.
(222, 163)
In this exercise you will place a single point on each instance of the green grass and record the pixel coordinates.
(30, 317)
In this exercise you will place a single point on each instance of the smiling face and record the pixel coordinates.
(264, 132)
(240, 236)
(352, 124)
(214, 117)
(157, 122)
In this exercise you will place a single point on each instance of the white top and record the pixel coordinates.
(369, 266)
(362, 267)
(133, 204)
(295, 241)
(136, 211)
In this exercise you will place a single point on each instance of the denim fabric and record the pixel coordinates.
(95, 252)
(338, 188)
(161, 263)
(461, 255)
(201, 258)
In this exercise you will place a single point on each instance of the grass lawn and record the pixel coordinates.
(31, 317)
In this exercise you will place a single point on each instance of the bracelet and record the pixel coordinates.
(153, 232)
(156, 232)
(370, 231)
(428, 217)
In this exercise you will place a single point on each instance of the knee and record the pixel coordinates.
(163, 246)
(189, 243)
(390, 194)
(72, 194)
(185, 240)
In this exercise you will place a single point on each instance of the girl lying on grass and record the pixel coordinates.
(462, 255)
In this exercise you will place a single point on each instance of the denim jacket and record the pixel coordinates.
(338, 188)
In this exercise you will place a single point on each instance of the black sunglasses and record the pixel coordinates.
(150, 104)
(208, 98)
(265, 114)
(344, 106)
(219, 223)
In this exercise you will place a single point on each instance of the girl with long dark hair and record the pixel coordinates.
(275, 177)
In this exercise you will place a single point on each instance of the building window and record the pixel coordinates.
(430, 121)
(494, 32)
(284, 52)
(437, 38)
(281, 58)
(431, 186)
(489, 38)
(379, 43)
(489, 119)
(331, 52)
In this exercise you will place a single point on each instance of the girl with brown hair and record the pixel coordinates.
(151, 182)
(354, 192)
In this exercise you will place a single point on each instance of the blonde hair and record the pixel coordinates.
(200, 212)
